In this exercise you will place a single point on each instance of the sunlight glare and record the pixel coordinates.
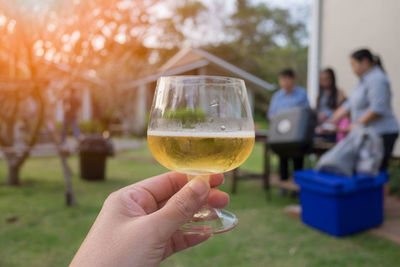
(38, 44)
(65, 38)
(120, 38)
(67, 47)
(96, 12)
(49, 54)
(75, 36)
(51, 27)
(3, 20)
(106, 31)
(39, 52)
(125, 4)
(11, 26)
(98, 42)
(100, 23)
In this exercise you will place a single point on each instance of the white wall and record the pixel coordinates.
(86, 108)
(353, 24)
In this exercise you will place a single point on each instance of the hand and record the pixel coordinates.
(138, 225)
(352, 126)
(319, 130)
(326, 128)
(322, 117)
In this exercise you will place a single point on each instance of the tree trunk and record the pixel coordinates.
(67, 173)
(69, 192)
(13, 174)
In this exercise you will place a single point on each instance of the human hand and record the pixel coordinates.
(326, 128)
(351, 127)
(138, 225)
(319, 130)
(322, 117)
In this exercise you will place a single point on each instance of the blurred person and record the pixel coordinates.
(330, 97)
(71, 106)
(288, 97)
(370, 102)
(139, 225)
(342, 127)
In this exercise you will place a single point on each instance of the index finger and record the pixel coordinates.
(165, 185)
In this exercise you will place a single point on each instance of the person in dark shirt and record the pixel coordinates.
(71, 106)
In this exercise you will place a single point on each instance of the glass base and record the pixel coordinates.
(210, 221)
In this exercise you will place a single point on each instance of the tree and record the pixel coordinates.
(23, 87)
(111, 44)
(261, 36)
(255, 37)
(96, 38)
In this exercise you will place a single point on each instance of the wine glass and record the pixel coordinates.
(201, 125)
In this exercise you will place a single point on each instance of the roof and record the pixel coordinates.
(193, 58)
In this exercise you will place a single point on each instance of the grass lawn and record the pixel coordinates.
(36, 229)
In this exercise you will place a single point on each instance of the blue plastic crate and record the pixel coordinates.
(339, 205)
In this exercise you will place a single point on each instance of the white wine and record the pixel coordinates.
(201, 125)
(200, 153)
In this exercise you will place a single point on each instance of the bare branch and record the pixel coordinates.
(3, 142)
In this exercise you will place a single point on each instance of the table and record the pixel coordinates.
(319, 147)
(260, 137)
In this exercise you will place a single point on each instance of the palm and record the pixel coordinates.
(151, 195)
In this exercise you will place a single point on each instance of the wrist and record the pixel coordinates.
(358, 124)
(330, 120)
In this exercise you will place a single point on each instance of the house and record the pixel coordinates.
(188, 61)
(82, 81)
(340, 27)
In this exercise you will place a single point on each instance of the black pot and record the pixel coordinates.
(93, 152)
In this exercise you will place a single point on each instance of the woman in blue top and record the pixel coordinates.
(370, 102)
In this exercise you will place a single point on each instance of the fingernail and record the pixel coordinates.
(199, 186)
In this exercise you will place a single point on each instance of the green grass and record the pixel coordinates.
(261, 121)
(394, 172)
(36, 229)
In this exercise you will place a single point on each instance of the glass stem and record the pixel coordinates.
(206, 211)
(208, 220)
(205, 177)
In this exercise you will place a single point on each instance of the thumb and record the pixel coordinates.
(181, 207)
